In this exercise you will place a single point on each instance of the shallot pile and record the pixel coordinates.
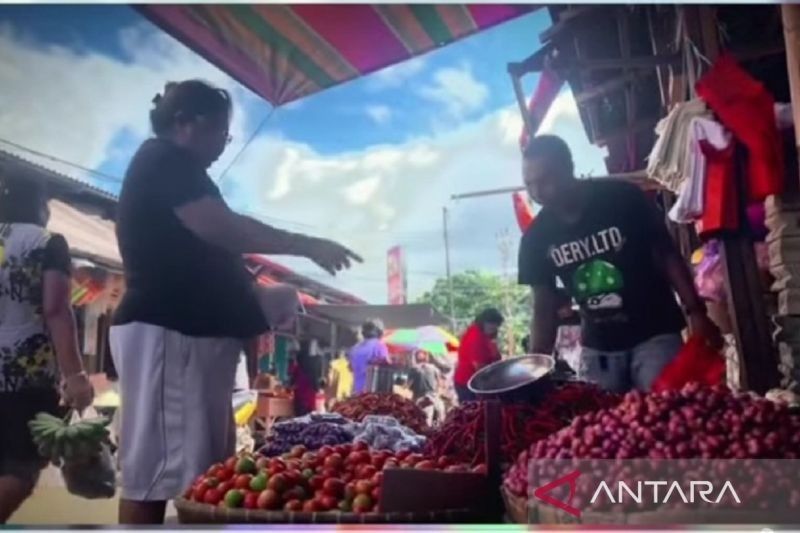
(693, 423)
(462, 434)
(404, 411)
(312, 432)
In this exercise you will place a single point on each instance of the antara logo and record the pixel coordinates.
(660, 492)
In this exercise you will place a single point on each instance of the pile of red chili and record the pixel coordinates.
(370, 403)
(462, 434)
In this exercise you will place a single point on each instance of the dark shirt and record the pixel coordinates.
(606, 263)
(173, 278)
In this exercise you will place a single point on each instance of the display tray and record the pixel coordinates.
(197, 513)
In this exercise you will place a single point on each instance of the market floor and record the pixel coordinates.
(52, 505)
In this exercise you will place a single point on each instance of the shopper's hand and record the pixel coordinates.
(704, 327)
(331, 256)
(78, 391)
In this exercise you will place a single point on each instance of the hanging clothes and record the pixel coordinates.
(667, 163)
(523, 210)
(690, 204)
(746, 108)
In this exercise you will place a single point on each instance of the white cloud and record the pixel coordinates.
(396, 75)
(380, 114)
(457, 91)
(370, 199)
(72, 104)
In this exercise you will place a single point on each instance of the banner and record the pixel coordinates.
(396, 276)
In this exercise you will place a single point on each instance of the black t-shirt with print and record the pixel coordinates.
(173, 278)
(606, 263)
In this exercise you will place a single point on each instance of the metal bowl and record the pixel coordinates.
(517, 379)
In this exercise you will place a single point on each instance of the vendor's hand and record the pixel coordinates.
(704, 327)
(331, 256)
(78, 391)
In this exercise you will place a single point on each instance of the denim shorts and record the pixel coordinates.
(637, 368)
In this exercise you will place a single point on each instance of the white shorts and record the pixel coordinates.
(176, 407)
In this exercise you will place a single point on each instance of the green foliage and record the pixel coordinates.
(474, 291)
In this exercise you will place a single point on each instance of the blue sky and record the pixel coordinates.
(370, 163)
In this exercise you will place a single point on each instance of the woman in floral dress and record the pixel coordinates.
(38, 341)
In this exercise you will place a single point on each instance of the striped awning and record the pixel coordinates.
(286, 52)
(305, 299)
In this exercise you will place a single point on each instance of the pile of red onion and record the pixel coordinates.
(693, 423)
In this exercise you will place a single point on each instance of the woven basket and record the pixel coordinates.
(516, 508)
(190, 512)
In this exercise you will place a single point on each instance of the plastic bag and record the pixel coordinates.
(93, 477)
(709, 275)
(696, 362)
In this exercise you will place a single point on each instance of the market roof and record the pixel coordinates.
(286, 52)
(89, 237)
(273, 271)
(393, 316)
(62, 180)
(619, 61)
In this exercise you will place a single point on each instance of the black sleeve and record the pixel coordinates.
(181, 181)
(533, 266)
(57, 256)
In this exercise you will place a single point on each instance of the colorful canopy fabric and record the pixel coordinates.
(286, 52)
(433, 339)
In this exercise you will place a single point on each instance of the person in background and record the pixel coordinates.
(189, 302)
(611, 250)
(370, 351)
(478, 348)
(305, 375)
(38, 340)
(424, 380)
(340, 379)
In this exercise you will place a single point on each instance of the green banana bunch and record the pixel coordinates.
(59, 442)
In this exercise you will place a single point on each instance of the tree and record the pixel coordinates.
(474, 291)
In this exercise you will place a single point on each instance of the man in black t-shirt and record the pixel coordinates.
(606, 244)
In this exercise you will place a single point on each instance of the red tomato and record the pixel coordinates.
(324, 452)
(401, 455)
(347, 477)
(328, 502)
(298, 451)
(391, 463)
(277, 483)
(242, 481)
(212, 497)
(378, 461)
(311, 506)
(350, 491)
(214, 470)
(226, 473)
(318, 494)
(316, 482)
(225, 486)
(199, 493)
(293, 506)
(415, 458)
(262, 463)
(295, 493)
(456, 468)
(251, 500)
(334, 461)
(366, 471)
(360, 446)
(329, 472)
(363, 487)
(333, 487)
(268, 499)
(425, 465)
(211, 482)
(231, 463)
(376, 494)
(377, 479)
(293, 477)
(362, 457)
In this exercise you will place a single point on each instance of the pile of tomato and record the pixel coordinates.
(345, 478)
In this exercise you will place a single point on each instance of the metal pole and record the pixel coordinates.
(447, 266)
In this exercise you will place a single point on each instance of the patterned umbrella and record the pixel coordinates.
(432, 339)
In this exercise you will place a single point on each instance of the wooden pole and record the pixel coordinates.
(791, 35)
